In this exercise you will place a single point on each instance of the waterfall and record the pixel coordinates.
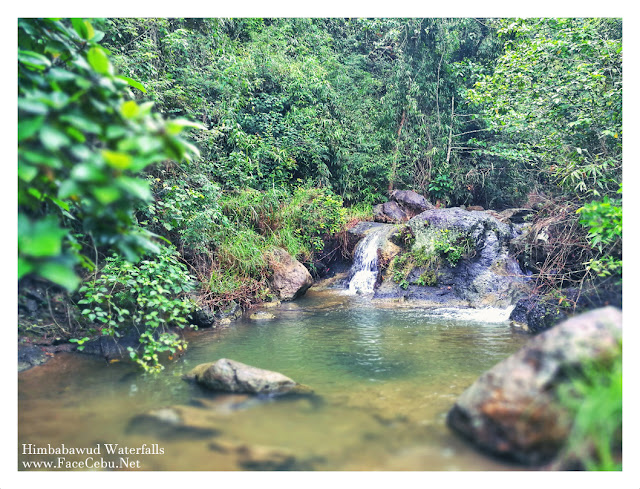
(364, 271)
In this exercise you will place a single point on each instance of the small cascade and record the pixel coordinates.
(481, 315)
(364, 271)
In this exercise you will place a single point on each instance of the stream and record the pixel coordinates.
(384, 378)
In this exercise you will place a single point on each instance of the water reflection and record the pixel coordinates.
(385, 377)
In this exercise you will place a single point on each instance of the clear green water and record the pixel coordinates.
(385, 379)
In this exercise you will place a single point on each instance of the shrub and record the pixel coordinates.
(150, 296)
(82, 140)
(453, 245)
(604, 221)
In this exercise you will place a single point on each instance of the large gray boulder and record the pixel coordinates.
(512, 409)
(290, 278)
(403, 205)
(487, 276)
(411, 201)
(227, 375)
(389, 212)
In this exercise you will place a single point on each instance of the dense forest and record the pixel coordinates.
(202, 144)
(162, 162)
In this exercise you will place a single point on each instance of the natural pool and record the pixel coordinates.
(384, 378)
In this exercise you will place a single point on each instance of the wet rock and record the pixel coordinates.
(261, 316)
(536, 314)
(363, 228)
(30, 356)
(230, 376)
(110, 347)
(512, 409)
(487, 276)
(230, 311)
(290, 278)
(176, 422)
(540, 312)
(204, 317)
(257, 457)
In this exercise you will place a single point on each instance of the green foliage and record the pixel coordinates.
(453, 245)
(429, 278)
(445, 244)
(604, 220)
(404, 237)
(594, 397)
(441, 188)
(81, 142)
(80, 342)
(554, 102)
(185, 207)
(150, 296)
(313, 100)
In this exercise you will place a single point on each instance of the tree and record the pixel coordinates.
(554, 101)
(82, 140)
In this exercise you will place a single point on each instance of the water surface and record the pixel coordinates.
(384, 377)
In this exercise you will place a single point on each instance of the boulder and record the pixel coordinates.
(261, 316)
(512, 409)
(175, 422)
(30, 356)
(537, 313)
(412, 201)
(230, 376)
(203, 317)
(259, 457)
(487, 276)
(518, 215)
(290, 278)
(389, 212)
(404, 205)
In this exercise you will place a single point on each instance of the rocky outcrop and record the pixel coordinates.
(30, 356)
(207, 317)
(512, 409)
(484, 274)
(403, 205)
(227, 375)
(537, 313)
(290, 279)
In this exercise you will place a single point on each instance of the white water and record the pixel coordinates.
(364, 270)
(483, 315)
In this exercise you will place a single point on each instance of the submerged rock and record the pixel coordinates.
(258, 457)
(175, 422)
(512, 409)
(262, 316)
(230, 376)
(290, 278)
